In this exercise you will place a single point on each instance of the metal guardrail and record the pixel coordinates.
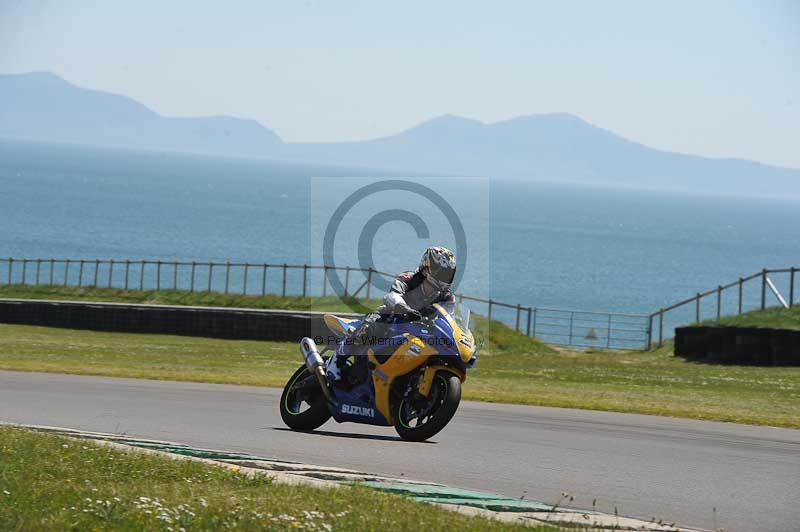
(556, 326)
(740, 301)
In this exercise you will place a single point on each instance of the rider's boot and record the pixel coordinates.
(334, 373)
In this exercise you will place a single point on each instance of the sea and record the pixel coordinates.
(543, 244)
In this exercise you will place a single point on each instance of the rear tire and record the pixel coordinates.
(446, 396)
(293, 400)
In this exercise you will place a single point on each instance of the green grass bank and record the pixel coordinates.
(48, 482)
(773, 318)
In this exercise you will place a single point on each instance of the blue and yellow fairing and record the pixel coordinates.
(441, 343)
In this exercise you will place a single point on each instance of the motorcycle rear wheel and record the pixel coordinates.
(295, 395)
(419, 425)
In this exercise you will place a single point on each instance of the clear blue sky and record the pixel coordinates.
(716, 78)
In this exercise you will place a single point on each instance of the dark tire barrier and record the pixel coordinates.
(210, 322)
(739, 345)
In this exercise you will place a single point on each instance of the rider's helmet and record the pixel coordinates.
(438, 265)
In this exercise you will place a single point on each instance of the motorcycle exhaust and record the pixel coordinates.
(315, 364)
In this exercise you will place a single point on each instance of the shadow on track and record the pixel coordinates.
(351, 435)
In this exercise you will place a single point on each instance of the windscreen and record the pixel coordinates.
(459, 312)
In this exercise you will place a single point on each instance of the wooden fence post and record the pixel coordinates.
(210, 272)
(741, 292)
(96, 271)
(346, 280)
(24, 269)
(283, 284)
(110, 272)
(763, 289)
(244, 283)
(191, 283)
(571, 320)
(661, 327)
(791, 286)
(516, 326)
(158, 276)
(175, 275)
(528, 326)
(227, 276)
(66, 273)
(264, 280)
(697, 309)
(719, 302)
(80, 274)
(490, 309)
(305, 278)
(127, 271)
(141, 275)
(10, 268)
(38, 267)
(52, 272)
(324, 280)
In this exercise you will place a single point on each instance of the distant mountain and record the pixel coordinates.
(553, 147)
(42, 106)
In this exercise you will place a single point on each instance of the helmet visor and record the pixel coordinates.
(442, 276)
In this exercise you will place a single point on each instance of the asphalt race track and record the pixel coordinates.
(645, 466)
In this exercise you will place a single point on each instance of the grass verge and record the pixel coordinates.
(49, 482)
(182, 297)
(774, 318)
(511, 369)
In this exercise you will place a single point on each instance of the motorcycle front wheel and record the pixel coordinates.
(420, 418)
(303, 405)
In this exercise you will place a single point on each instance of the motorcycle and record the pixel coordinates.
(411, 380)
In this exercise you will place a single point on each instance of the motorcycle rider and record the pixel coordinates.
(410, 293)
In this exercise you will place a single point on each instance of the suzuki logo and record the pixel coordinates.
(358, 410)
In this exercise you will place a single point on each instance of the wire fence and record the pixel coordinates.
(555, 326)
(753, 292)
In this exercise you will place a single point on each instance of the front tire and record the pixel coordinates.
(423, 420)
(303, 405)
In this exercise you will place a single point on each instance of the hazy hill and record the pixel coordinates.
(42, 106)
(554, 147)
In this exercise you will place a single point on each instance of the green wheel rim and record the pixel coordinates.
(289, 392)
